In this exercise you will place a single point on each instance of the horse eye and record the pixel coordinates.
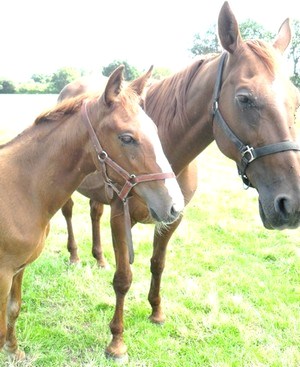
(127, 139)
(245, 101)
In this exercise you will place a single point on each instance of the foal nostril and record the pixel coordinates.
(283, 205)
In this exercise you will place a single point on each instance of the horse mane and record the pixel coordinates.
(127, 98)
(264, 52)
(171, 93)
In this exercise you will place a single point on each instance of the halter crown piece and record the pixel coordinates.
(130, 179)
(248, 153)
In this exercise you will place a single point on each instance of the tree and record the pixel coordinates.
(41, 78)
(209, 42)
(7, 86)
(161, 73)
(130, 72)
(294, 52)
(253, 30)
(61, 78)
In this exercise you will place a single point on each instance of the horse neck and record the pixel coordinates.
(57, 155)
(185, 119)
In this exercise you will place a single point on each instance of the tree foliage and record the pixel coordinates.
(7, 86)
(61, 78)
(294, 53)
(208, 42)
(130, 72)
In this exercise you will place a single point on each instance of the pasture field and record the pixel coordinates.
(230, 289)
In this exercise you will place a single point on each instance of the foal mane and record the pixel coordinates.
(65, 108)
(127, 98)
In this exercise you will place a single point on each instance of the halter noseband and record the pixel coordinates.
(248, 153)
(130, 179)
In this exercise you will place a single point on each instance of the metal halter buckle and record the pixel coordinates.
(246, 151)
(102, 156)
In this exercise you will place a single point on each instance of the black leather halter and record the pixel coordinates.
(248, 153)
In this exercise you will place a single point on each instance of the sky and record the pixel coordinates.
(40, 36)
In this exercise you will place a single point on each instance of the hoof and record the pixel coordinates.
(103, 265)
(121, 360)
(17, 355)
(75, 262)
(159, 320)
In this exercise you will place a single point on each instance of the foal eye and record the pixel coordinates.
(127, 139)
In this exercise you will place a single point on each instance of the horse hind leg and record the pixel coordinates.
(96, 211)
(10, 299)
(67, 210)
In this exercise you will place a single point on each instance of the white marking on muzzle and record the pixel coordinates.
(162, 161)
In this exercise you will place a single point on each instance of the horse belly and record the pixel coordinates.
(94, 187)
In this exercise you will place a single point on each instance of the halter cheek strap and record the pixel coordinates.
(248, 153)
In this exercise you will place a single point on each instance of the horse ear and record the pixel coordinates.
(139, 84)
(229, 32)
(283, 37)
(114, 85)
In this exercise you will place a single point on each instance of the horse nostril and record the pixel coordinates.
(174, 212)
(283, 205)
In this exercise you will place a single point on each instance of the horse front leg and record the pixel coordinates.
(187, 179)
(67, 211)
(158, 259)
(5, 287)
(13, 310)
(121, 282)
(96, 211)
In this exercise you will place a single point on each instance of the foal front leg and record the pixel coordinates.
(13, 310)
(121, 283)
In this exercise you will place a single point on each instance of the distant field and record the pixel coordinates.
(19, 111)
(230, 290)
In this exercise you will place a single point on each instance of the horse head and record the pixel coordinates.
(254, 116)
(132, 156)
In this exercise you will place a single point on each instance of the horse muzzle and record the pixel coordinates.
(284, 213)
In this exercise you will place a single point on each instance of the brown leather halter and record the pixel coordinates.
(130, 179)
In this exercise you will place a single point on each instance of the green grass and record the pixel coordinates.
(231, 289)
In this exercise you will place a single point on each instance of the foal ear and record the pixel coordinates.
(113, 86)
(139, 84)
(283, 37)
(229, 32)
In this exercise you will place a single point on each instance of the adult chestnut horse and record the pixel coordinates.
(242, 99)
(43, 166)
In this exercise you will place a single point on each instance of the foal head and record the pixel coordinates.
(130, 138)
(258, 102)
